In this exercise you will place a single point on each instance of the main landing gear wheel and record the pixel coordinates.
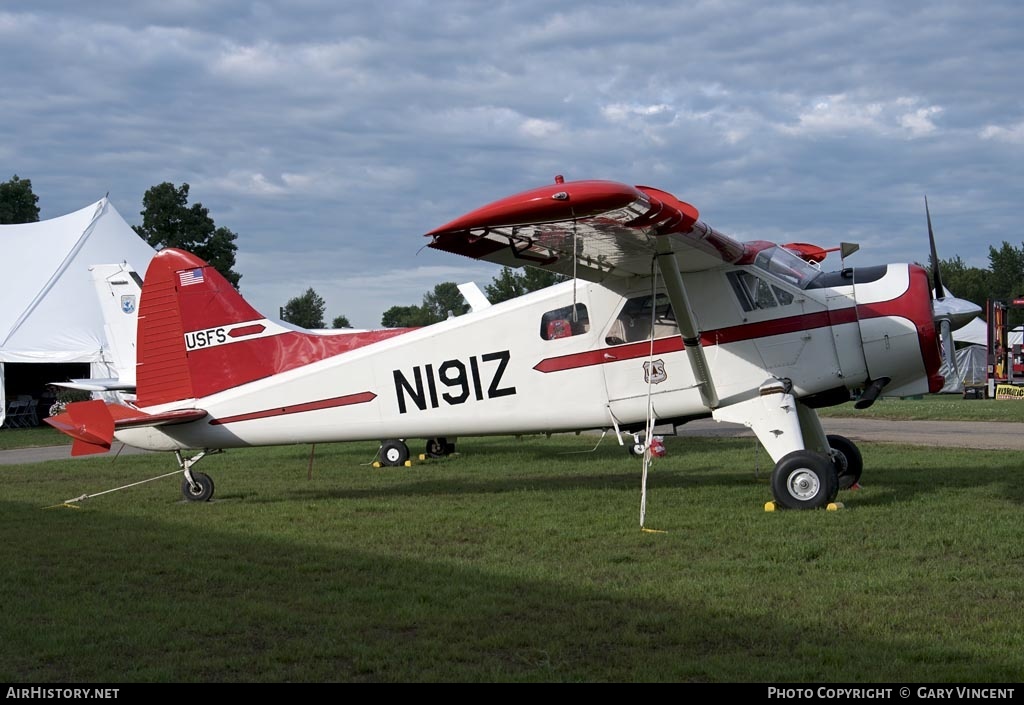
(201, 491)
(393, 453)
(847, 459)
(637, 447)
(804, 479)
(439, 448)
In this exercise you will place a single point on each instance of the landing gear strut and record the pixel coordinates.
(637, 447)
(197, 486)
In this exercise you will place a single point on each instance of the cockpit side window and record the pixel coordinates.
(757, 293)
(642, 318)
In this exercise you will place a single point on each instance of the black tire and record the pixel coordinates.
(393, 453)
(439, 448)
(847, 459)
(636, 449)
(804, 479)
(203, 490)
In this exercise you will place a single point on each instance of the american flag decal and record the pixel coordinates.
(190, 277)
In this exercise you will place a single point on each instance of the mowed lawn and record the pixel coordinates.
(515, 560)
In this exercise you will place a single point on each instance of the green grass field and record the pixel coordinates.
(516, 560)
(935, 407)
(938, 407)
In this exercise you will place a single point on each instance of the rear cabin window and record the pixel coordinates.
(564, 322)
(642, 318)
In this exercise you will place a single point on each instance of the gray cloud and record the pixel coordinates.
(331, 138)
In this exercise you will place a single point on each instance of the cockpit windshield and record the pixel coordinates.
(786, 265)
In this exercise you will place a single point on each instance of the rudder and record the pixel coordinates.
(197, 336)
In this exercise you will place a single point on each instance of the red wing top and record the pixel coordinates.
(614, 224)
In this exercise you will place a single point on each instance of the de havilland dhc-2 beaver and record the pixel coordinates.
(662, 318)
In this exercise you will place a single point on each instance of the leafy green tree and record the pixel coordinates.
(405, 317)
(510, 283)
(444, 298)
(963, 282)
(505, 286)
(1006, 277)
(17, 202)
(306, 311)
(168, 221)
(437, 303)
(536, 279)
(1007, 271)
(340, 322)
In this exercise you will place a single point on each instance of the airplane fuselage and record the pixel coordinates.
(579, 355)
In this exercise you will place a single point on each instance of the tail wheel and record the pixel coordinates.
(393, 453)
(201, 491)
(847, 459)
(804, 480)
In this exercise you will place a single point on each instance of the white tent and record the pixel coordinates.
(49, 312)
(975, 332)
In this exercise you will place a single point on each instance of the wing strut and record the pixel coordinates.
(687, 324)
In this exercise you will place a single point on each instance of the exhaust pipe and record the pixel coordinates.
(871, 393)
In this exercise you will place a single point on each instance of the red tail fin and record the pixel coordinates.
(198, 336)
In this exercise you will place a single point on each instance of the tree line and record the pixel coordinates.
(439, 303)
(169, 221)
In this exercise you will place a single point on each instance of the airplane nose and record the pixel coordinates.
(898, 332)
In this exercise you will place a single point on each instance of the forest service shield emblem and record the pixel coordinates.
(654, 371)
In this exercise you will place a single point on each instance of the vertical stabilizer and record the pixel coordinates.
(197, 336)
(118, 289)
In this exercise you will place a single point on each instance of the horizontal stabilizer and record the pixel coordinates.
(111, 384)
(89, 424)
(92, 423)
(135, 419)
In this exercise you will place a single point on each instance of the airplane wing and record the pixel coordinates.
(590, 229)
(594, 230)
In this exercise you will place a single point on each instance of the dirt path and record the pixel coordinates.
(951, 434)
(38, 455)
(989, 435)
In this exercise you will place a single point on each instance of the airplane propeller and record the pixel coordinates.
(948, 311)
(936, 273)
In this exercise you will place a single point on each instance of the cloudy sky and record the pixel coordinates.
(330, 136)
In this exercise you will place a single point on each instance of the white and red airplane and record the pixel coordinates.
(664, 318)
